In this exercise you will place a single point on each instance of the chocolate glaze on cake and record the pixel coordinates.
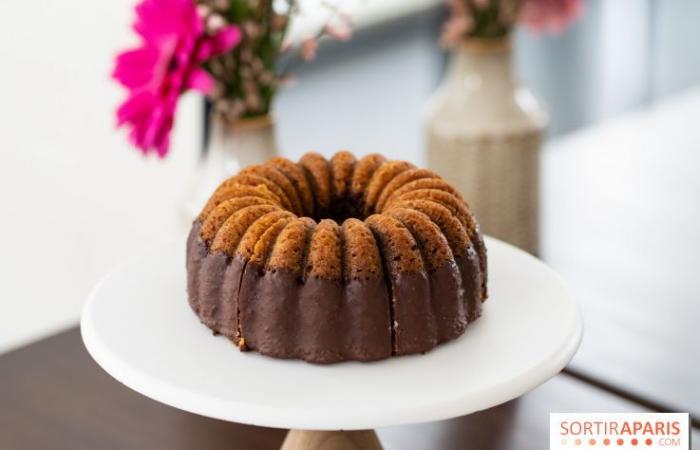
(333, 260)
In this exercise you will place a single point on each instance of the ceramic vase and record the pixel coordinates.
(230, 147)
(484, 132)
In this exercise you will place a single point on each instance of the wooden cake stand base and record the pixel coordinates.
(331, 440)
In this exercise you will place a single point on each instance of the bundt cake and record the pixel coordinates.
(336, 260)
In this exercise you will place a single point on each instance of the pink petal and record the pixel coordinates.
(550, 15)
(164, 141)
(201, 81)
(224, 40)
(153, 126)
(134, 108)
(159, 18)
(134, 68)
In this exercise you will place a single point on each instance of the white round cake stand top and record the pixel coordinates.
(138, 326)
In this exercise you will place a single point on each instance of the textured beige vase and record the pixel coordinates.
(484, 133)
(231, 147)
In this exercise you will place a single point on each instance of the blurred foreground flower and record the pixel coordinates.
(550, 15)
(168, 62)
(493, 19)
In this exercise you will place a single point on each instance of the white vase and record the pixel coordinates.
(231, 147)
(484, 133)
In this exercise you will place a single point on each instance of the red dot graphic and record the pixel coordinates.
(606, 441)
(648, 441)
(577, 442)
(635, 442)
(620, 441)
(591, 442)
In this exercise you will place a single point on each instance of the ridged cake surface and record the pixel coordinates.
(332, 260)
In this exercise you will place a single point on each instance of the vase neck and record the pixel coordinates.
(481, 92)
(477, 64)
(244, 142)
(252, 126)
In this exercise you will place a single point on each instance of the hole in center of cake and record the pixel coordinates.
(341, 210)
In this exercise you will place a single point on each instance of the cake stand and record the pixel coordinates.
(138, 326)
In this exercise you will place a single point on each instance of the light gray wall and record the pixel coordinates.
(621, 55)
(367, 95)
(676, 46)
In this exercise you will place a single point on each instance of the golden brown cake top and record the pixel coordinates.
(340, 217)
(399, 247)
(325, 259)
(364, 170)
(432, 242)
(342, 168)
(361, 257)
(319, 175)
(290, 249)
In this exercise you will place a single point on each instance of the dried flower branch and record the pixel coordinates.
(248, 77)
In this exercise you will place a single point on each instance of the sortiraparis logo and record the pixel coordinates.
(620, 431)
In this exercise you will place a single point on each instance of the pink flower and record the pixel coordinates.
(168, 62)
(549, 15)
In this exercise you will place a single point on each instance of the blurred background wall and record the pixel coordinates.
(75, 198)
